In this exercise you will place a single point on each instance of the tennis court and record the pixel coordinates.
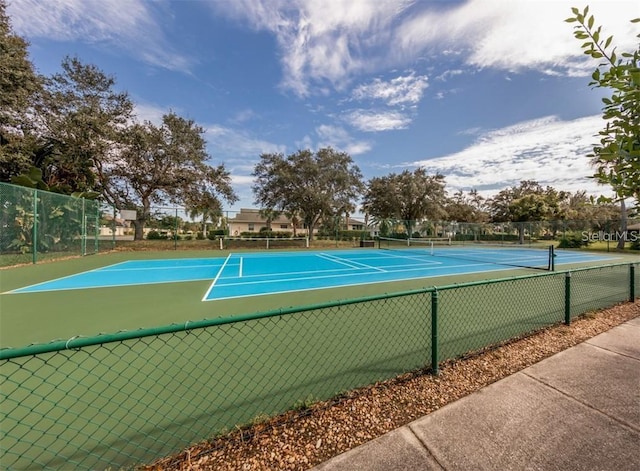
(252, 274)
(132, 395)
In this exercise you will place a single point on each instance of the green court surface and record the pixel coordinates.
(132, 401)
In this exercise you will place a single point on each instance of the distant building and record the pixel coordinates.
(250, 220)
(114, 227)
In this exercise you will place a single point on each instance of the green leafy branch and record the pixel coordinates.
(617, 157)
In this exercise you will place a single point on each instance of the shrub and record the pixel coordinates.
(155, 235)
(635, 241)
(573, 240)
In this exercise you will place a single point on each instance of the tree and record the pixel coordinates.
(83, 118)
(525, 203)
(408, 196)
(19, 86)
(466, 208)
(315, 186)
(166, 164)
(208, 206)
(617, 156)
(269, 215)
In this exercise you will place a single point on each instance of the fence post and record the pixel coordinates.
(632, 282)
(567, 298)
(434, 332)
(83, 230)
(96, 232)
(34, 236)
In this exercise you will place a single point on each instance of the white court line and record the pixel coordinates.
(293, 273)
(74, 288)
(349, 263)
(420, 258)
(341, 275)
(357, 283)
(206, 295)
(61, 278)
(185, 267)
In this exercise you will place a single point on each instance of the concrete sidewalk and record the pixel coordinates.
(577, 410)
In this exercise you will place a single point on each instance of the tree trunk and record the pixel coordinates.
(521, 233)
(138, 224)
(622, 237)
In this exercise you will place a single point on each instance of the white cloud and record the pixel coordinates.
(230, 143)
(149, 112)
(320, 40)
(373, 121)
(548, 150)
(331, 41)
(339, 139)
(403, 90)
(513, 35)
(133, 26)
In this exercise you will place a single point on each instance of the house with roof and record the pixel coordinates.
(251, 220)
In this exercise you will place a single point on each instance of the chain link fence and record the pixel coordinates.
(37, 225)
(573, 233)
(121, 400)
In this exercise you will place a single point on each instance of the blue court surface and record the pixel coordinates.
(252, 274)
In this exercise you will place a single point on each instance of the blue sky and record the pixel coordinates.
(486, 92)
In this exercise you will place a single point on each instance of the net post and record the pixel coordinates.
(552, 258)
(434, 331)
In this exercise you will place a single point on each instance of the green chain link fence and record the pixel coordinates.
(37, 224)
(125, 399)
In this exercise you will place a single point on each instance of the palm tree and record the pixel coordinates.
(207, 207)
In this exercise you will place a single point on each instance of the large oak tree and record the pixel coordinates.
(164, 164)
(19, 86)
(313, 186)
(407, 197)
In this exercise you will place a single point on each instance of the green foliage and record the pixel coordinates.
(166, 164)
(37, 219)
(19, 89)
(406, 196)
(83, 117)
(573, 240)
(314, 186)
(155, 235)
(617, 156)
(528, 201)
(18, 81)
(216, 234)
(466, 208)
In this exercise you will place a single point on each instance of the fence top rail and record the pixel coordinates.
(80, 342)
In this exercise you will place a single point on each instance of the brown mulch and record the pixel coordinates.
(300, 440)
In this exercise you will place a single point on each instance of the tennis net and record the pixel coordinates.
(539, 257)
(263, 242)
